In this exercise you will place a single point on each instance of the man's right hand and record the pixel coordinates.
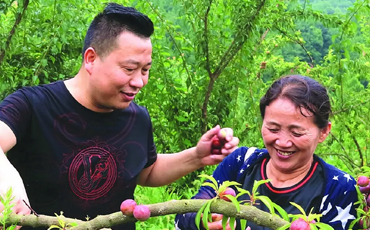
(15, 182)
(10, 178)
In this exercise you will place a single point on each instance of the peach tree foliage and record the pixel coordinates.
(215, 59)
(208, 63)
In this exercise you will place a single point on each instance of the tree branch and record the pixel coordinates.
(238, 42)
(357, 145)
(297, 42)
(237, 45)
(173, 39)
(250, 213)
(354, 105)
(12, 31)
(206, 45)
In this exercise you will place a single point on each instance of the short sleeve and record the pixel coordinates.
(152, 151)
(15, 111)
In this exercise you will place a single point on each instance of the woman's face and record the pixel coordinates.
(290, 137)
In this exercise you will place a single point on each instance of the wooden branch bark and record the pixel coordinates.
(357, 145)
(236, 45)
(160, 209)
(12, 31)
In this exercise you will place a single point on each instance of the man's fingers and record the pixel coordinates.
(229, 133)
(211, 133)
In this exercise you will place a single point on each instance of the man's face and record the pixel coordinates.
(115, 79)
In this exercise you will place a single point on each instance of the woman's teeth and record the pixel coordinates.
(285, 153)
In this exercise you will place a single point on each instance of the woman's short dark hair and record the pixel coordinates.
(304, 92)
(110, 23)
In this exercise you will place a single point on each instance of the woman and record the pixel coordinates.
(295, 112)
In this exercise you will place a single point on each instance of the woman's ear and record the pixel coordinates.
(325, 132)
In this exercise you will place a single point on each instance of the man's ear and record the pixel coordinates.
(89, 58)
(324, 132)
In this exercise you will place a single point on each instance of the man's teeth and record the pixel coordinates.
(285, 153)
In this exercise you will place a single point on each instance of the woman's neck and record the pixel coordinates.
(283, 179)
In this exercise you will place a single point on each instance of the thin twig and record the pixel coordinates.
(173, 39)
(357, 145)
(297, 42)
(206, 48)
(12, 31)
(33, 211)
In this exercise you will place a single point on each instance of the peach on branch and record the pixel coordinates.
(363, 181)
(364, 222)
(227, 191)
(365, 190)
(141, 212)
(300, 224)
(127, 207)
(368, 200)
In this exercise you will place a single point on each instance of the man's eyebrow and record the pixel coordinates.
(131, 61)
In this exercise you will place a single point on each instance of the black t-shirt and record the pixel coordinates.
(72, 159)
(307, 193)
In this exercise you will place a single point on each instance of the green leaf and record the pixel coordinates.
(257, 184)
(210, 185)
(281, 211)
(267, 201)
(354, 222)
(160, 87)
(242, 192)
(61, 223)
(182, 119)
(299, 208)
(243, 224)
(73, 224)
(206, 214)
(224, 222)
(232, 222)
(226, 184)
(211, 178)
(199, 215)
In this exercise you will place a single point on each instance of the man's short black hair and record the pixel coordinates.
(110, 23)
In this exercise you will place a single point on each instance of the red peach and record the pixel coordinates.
(364, 221)
(227, 191)
(141, 212)
(127, 207)
(368, 200)
(365, 190)
(363, 181)
(216, 143)
(299, 224)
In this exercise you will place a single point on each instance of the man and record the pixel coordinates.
(82, 145)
